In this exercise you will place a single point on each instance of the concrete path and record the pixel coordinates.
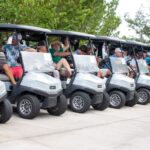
(124, 129)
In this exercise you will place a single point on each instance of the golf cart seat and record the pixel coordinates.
(3, 77)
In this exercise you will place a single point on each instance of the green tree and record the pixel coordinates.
(96, 16)
(140, 24)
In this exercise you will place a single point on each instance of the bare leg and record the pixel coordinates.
(63, 62)
(100, 74)
(9, 73)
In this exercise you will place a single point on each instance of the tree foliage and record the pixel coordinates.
(141, 24)
(91, 16)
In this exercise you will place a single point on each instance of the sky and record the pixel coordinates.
(130, 7)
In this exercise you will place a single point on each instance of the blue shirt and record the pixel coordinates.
(12, 54)
(147, 60)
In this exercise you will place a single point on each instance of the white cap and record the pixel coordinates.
(117, 49)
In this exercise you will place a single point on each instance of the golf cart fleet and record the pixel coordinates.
(39, 89)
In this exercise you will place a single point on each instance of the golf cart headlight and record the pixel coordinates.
(2, 88)
(99, 86)
(52, 87)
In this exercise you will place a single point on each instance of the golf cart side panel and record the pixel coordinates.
(128, 93)
(98, 96)
(49, 100)
(2, 90)
(144, 80)
(42, 82)
(123, 81)
(139, 85)
(90, 81)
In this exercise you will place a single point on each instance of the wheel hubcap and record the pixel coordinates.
(115, 100)
(25, 107)
(143, 97)
(78, 102)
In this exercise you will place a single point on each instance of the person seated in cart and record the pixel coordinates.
(62, 63)
(43, 49)
(84, 50)
(58, 53)
(12, 54)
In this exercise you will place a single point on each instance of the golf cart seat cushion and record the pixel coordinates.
(3, 77)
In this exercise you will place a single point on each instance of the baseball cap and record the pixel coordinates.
(117, 49)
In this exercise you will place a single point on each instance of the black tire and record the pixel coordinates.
(104, 104)
(134, 101)
(5, 111)
(60, 108)
(119, 102)
(147, 94)
(83, 104)
(23, 106)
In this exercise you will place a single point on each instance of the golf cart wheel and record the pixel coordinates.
(117, 99)
(5, 111)
(60, 108)
(80, 102)
(134, 101)
(28, 106)
(104, 104)
(144, 96)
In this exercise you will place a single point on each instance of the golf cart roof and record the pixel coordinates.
(109, 39)
(20, 28)
(8, 27)
(135, 43)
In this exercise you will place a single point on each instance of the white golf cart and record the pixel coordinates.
(35, 89)
(143, 82)
(85, 88)
(121, 88)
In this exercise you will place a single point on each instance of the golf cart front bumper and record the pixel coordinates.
(50, 100)
(128, 93)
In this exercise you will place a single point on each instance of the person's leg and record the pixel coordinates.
(100, 74)
(63, 62)
(9, 73)
(56, 74)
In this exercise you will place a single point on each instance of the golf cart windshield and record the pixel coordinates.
(37, 62)
(118, 65)
(86, 63)
(143, 67)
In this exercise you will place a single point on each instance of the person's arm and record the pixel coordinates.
(62, 54)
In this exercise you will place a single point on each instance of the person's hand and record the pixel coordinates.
(98, 59)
